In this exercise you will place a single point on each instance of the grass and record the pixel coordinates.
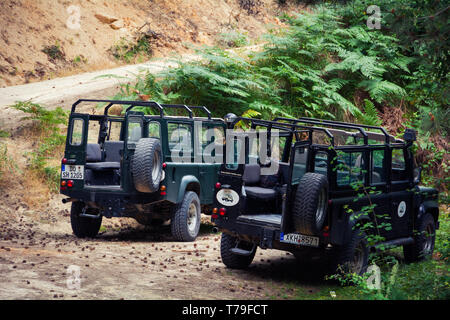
(79, 60)
(425, 280)
(48, 128)
(54, 52)
(4, 134)
(6, 163)
(132, 51)
(232, 39)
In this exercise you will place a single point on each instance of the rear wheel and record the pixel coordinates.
(84, 226)
(310, 204)
(185, 223)
(233, 260)
(424, 238)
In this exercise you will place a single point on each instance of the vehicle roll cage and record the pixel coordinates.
(329, 127)
(153, 104)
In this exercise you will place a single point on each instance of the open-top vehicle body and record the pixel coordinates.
(138, 165)
(332, 187)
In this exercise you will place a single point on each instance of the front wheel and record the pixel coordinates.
(353, 256)
(84, 227)
(185, 223)
(424, 238)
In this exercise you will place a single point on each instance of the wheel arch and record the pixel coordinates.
(188, 183)
(431, 207)
(355, 219)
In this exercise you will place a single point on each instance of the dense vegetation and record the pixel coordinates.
(329, 64)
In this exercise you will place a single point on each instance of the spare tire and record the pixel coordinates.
(146, 165)
(310, 204)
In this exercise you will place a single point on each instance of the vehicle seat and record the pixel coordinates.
(251, 178)
(94, 159)
(113, 151)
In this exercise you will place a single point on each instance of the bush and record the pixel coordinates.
(51, 139)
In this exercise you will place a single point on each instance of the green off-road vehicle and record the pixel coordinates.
(327, 189)
(149, 167)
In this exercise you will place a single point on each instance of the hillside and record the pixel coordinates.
(46, 38)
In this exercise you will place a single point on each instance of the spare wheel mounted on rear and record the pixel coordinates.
(310, 204)
(147, 165)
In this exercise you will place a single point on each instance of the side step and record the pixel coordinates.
(392, 243)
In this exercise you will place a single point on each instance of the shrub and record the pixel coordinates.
(51, 139)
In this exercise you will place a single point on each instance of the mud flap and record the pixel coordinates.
(266, 238)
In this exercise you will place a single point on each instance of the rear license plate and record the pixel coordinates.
(299, 239)
(73, 172)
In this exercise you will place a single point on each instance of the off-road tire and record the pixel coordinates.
(421, 248)
(230, 259)
(84, 227)
(184, 225)
(311, 200)
(356, 249)
(146, 165)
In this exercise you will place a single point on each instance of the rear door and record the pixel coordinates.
(229, 196)
(298, 166)
(134, 131)
(75, 151)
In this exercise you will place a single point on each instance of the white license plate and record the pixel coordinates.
(299, 239)
(73, 172)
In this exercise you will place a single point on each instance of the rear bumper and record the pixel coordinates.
(112, 204)
(265, 236)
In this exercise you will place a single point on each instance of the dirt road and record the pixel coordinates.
(40, 258)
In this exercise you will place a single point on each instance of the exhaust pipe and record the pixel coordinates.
(66, 200)
(215, 230)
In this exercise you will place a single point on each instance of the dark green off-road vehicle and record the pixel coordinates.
(149, 167)
(338, 192)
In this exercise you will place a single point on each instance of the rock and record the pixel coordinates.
(105, 18)
(116, 25)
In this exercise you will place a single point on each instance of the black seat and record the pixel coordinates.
(113, 151)
(259, 192)
(251, 178)
(94, 159)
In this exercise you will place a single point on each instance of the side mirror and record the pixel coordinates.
(417, 175)
(229, 118)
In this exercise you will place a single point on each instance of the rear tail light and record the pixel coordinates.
(326, 231)
(218, 185)
(164, 165)
(64, 160)
(214, 216)
(70, 183)
(222, 211)
(63, 183)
